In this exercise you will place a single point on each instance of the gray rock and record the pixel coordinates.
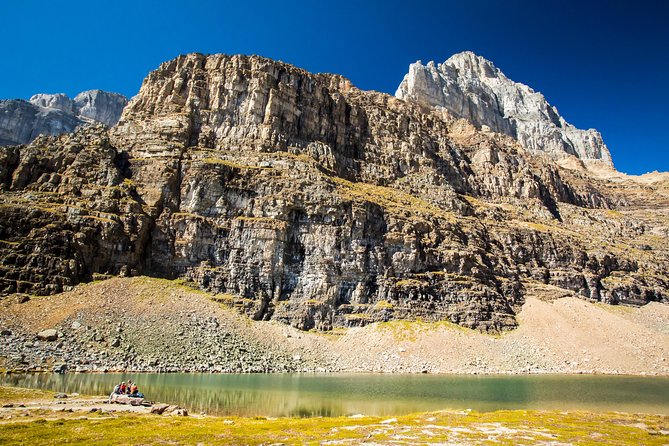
(60, 368)
(472, 88)
(54, 114)
(48, 335)
(22, 122)
(159, 408)
(100, 106)
(57, 101)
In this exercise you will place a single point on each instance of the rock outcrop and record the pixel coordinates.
(22, 121)
(100, 106)
(54, 114)
(297, 197)
(471, 87)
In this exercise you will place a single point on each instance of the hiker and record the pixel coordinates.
(128, 388)
(134, 391)
(117, 389)
(123, 389)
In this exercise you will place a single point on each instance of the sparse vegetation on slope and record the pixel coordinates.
(151, 324)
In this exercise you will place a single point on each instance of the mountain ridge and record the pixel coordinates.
(299, 198)
(473, 88)
(54, 114)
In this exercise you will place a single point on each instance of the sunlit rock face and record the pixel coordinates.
(472, 88)
(54, 114)
(297, 197)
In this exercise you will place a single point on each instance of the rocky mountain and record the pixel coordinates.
(297, 197)
(472, 88)
(100, 106)
(54, 114)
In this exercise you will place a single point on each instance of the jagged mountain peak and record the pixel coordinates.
(99, 105)
(59, 101)
(473, 88)
(473, 63)
(54, 114)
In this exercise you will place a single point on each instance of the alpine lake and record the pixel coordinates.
(329, 395)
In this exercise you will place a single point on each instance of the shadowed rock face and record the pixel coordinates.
(472, 88)
(100, 106)
(55, 114)
(298, 197)
(21, 122)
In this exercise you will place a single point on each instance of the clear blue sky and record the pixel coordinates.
(604, 64)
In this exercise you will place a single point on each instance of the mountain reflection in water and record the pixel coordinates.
(370, 394)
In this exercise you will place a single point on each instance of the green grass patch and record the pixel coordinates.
(410, 283)
(503, 427)
(19, 394)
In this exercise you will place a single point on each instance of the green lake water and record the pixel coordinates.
(370, 394)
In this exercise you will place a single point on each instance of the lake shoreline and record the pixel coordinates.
(47, 421)
(340, 394)
(335, 373)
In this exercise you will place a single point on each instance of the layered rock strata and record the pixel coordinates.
(472, 88)
(297, 197)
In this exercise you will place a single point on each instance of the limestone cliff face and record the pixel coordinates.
(21, 122)
(55, 114)
(100, 106)
(297, 197)
(472, 88)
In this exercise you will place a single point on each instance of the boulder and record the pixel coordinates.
(159, 408)
(127, 399)
(47, 335)
(60, 368)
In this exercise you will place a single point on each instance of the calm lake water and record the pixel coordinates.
(371, 394)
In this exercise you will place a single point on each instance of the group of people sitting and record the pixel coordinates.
(130, 389)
